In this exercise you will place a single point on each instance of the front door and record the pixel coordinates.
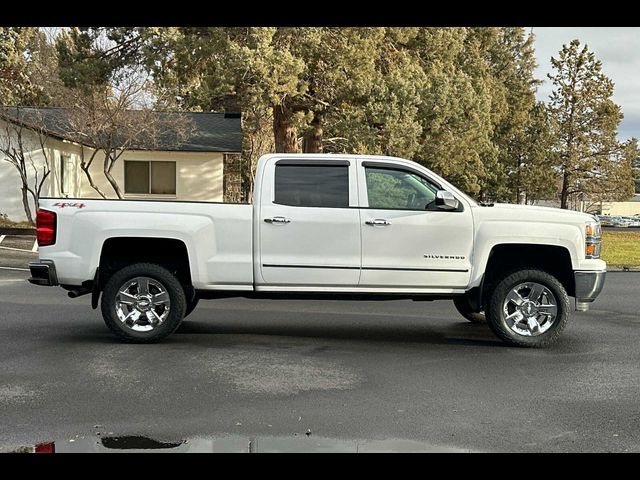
(310, 225)
(406, 241)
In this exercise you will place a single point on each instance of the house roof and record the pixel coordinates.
(209, 131)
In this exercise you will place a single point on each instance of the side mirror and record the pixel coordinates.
(446, 201)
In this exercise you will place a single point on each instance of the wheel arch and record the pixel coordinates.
(506, 257)
(119, 252)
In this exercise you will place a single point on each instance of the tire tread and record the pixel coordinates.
(494, 307)
(176, 291)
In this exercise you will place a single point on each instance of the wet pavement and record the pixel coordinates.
(230, 444)
(395, 375)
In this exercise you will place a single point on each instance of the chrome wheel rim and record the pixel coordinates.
(142, 304)
(530, 309)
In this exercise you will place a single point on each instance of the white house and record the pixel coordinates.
(195, 169)
(628, 208)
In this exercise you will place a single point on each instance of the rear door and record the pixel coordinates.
(309, 224)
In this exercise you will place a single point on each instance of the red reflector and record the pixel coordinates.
(45, 448)
(45, 228)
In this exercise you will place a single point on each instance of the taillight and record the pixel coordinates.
(45, 228)
(45, 448)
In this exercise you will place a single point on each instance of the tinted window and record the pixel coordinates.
(136, 177)
(150, 177)
(312, 186)
(398, 189)
(163, 177)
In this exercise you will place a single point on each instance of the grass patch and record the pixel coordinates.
(11, 224)
(621, 248)
(6, 223)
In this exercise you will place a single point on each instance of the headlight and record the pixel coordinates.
(593, 238)
(593, 229)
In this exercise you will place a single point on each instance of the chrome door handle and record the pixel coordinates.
(378, 222)
(278, 220)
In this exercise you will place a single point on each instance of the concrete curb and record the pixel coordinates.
(17, 269)
(623, 268)
(17, 231)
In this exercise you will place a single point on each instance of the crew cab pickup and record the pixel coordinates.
(325, 225)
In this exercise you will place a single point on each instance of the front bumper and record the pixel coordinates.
(43, 273)
(588, 287)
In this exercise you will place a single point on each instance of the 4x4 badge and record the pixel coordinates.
(71, 205)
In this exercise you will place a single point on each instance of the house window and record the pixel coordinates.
(65, 173)
(157, 178)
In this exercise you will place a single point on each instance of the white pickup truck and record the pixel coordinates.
(325, 225)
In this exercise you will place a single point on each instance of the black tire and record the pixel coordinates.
(464, 308)
(157, 273)
(191, 305)
(496, 316)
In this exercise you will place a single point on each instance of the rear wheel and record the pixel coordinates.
(463, 305)
(528, 308)
(143, 303)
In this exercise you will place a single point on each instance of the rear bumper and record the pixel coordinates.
(588, 287)
(43, 273)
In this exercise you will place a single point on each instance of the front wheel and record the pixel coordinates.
(143, 303)
(528, 308)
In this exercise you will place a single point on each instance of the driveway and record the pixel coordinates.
(318, 375)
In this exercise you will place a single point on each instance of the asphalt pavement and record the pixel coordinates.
(318, 375)
(16, 251)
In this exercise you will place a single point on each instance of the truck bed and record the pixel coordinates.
(217, 236)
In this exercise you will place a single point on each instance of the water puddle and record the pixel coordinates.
(231, 444)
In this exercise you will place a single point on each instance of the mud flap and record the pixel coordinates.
(95, 292)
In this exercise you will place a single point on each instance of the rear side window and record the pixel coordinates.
(312, 186)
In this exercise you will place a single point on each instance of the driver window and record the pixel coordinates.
(398, 190)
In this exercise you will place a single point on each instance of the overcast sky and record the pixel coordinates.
(619, 50)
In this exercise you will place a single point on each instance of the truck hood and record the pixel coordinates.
(528, 213)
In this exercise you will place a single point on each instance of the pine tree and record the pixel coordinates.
(532, 175)
(21, 63)
(586, 120)
(636, 166)
(510, 63)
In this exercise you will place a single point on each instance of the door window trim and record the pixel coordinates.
(393, 166)
(314, 163)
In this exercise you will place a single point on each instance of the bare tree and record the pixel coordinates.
(116, 118)
(22, 140)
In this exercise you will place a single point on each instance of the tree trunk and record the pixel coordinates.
(564, 194)
(285, 134)
(86, 166)
(25, 204)
(108, 165)
(85, 169)
(313, 137)
(113, 183)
